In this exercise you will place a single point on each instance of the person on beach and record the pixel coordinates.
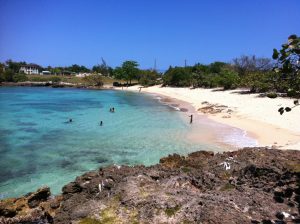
(191, 120)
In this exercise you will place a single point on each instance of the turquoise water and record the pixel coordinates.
(38, 148)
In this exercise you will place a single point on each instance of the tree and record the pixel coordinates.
(246, 64)
(118, 73)
(148, 77)
(178, 76)
(55, 80)
(14, 66)
(216, 67)
(288, 62)
(130, 70)
(288, 66)
(8, 75)
(77, 69)
(102, 68)
(20, 78)
(56, 70)
(2, 67)
(229, 79)
(95, 80)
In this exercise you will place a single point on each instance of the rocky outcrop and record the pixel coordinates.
(253, 185)
(34, 207)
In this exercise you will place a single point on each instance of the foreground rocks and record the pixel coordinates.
(253, 185)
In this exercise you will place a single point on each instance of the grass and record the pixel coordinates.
(186, 169)
(227, 187)
(89, 221)
(293, 166)
(172, 211)
(109, 216)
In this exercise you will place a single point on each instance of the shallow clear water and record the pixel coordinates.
(38, 148)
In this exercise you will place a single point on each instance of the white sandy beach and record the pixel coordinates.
(256, 115)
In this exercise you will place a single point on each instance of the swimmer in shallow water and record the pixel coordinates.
(191, 120)
(69, 121)
(101, 123)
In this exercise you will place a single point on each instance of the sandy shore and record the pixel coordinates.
(258, 116)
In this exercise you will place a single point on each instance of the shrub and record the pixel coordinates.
(148, 78)
(229, 79)
(8, 76)
(20, 78)
(291, 93)
(55, 79)
(272, 95)
(95, 80)
(178, 76)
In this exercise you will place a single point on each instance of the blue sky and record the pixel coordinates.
(60, 32)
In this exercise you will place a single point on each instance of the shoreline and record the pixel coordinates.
(235, 110)
(205, 130)
(282, 135)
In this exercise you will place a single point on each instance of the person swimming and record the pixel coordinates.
(191, 120)
(69, 121)
(101, 123)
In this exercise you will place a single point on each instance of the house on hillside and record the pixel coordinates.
(30, 69)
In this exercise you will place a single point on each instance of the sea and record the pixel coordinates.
(39, 146)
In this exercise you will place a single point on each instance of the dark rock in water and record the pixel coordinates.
(253, 185)
(37, 197)
(99, 159)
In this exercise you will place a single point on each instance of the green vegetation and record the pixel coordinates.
(103, 69)
(186, 169)
(293, 166)
(256, 74)
(227, 187)
(272, 95)
(89, 221)
(288, 63)
(55, 79)
(128, 71)
(217, 74)
(172, 211)
(148, 77)
(94, 80)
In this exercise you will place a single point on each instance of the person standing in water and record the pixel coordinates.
(101, 123)
(191, 120)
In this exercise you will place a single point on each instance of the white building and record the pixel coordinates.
(82, 75)
(30, 69)
(46, 73)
